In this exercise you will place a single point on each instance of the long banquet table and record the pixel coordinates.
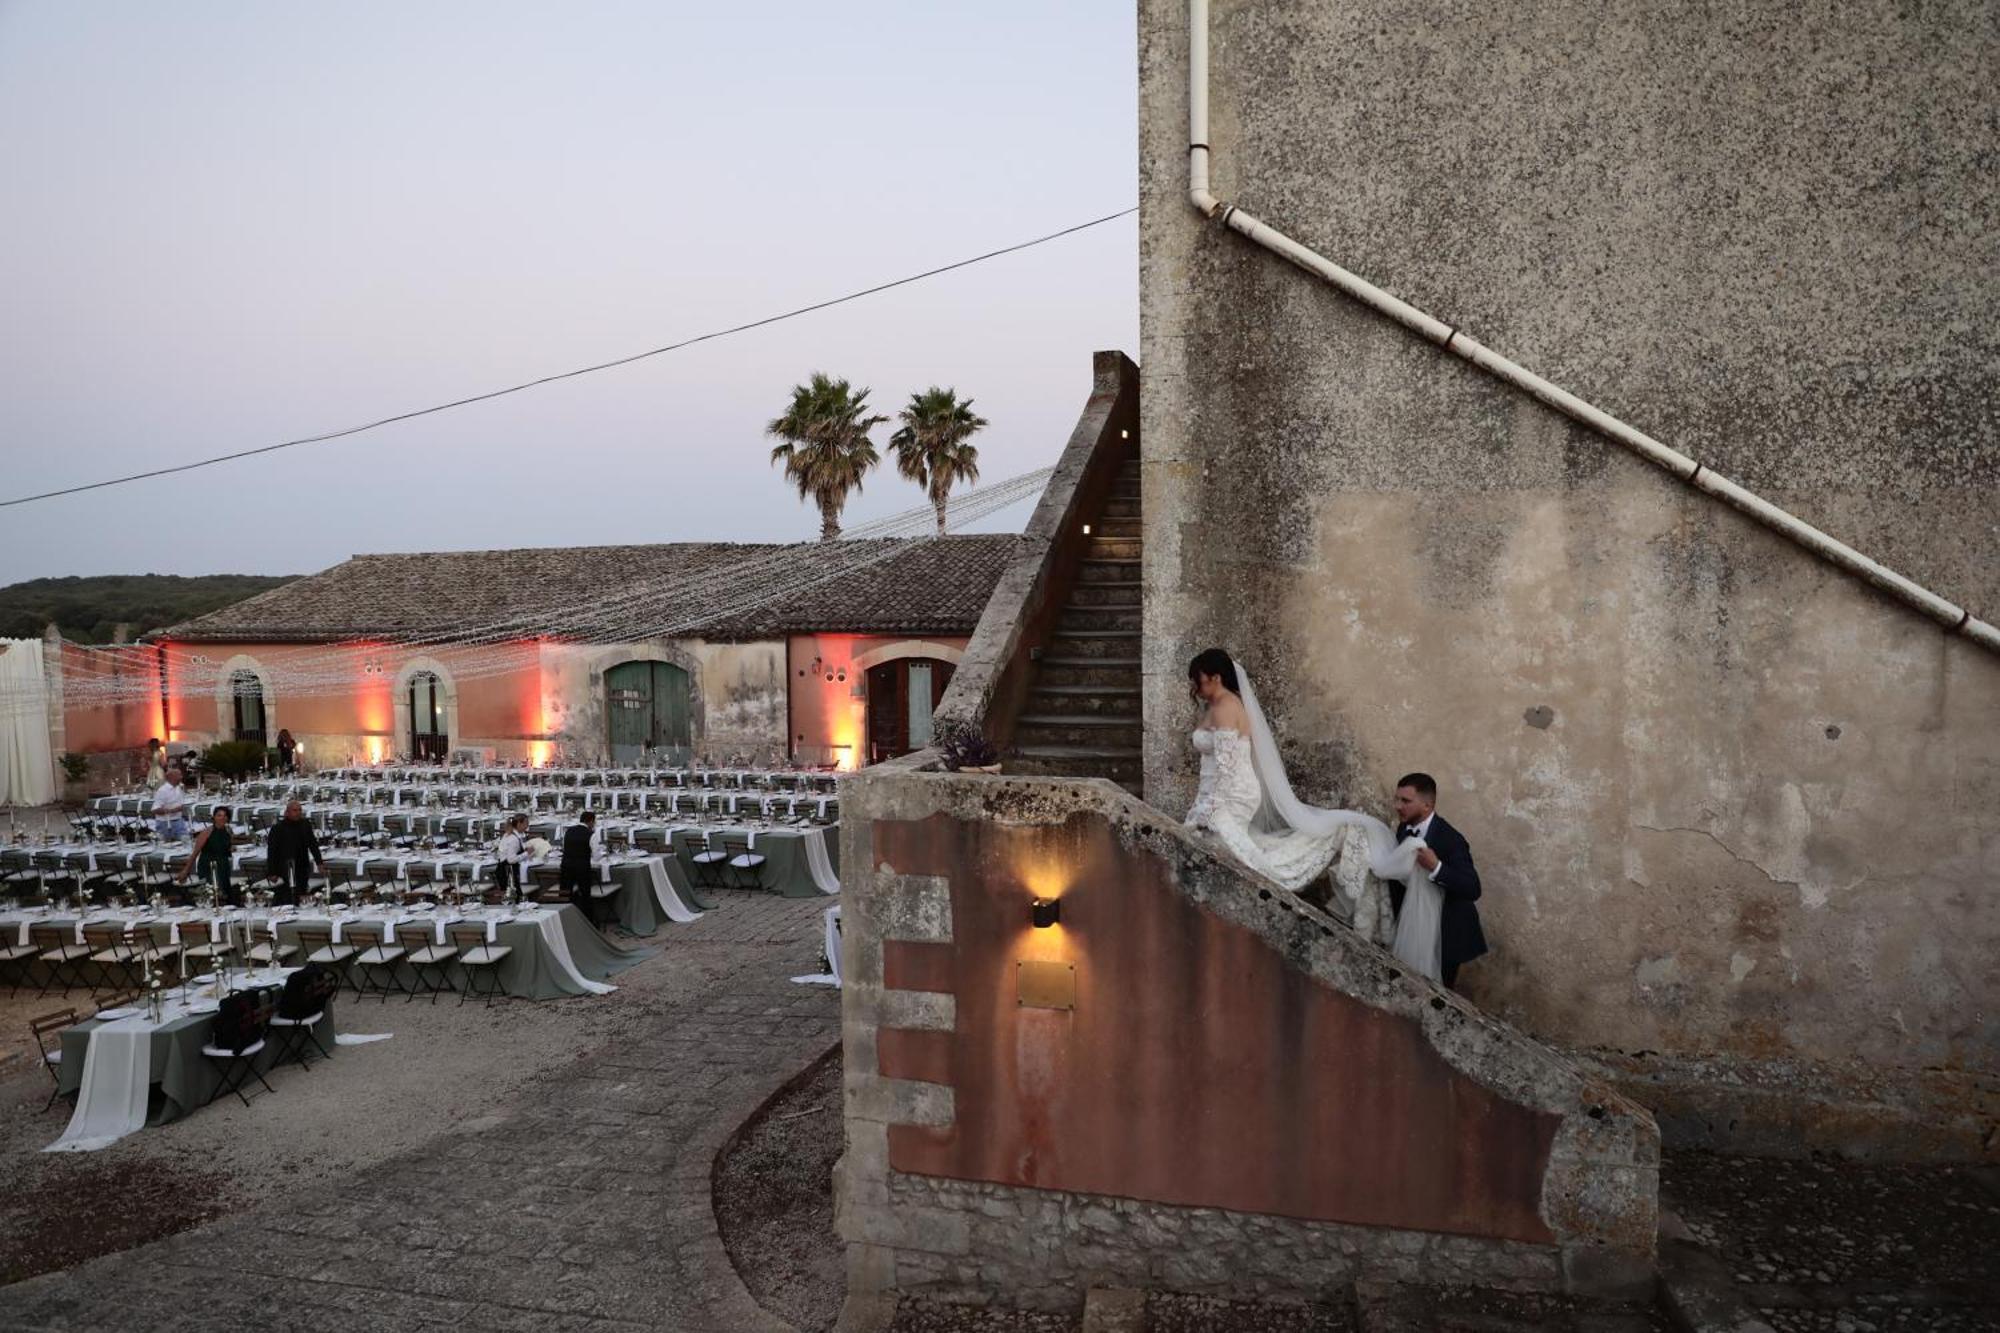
(180, 1078)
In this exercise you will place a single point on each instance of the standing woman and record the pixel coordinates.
(286, 748)
(510, 853)
(211, 856)
(156, 763)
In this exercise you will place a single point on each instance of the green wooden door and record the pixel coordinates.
(647, 703)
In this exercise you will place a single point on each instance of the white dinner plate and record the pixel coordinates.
(111, 1015)
(208, 980)
(203, 1007)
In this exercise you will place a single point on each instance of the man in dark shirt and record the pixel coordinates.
(578, 844)
(293, 852)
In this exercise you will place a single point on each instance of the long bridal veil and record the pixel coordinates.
(1418, 938)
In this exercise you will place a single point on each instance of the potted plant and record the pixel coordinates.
(76, 775)
(964, 749)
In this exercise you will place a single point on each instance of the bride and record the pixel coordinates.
(1246, 800)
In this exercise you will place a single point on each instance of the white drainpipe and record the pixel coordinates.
(1955, 619)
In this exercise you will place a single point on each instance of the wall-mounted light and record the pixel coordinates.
(1045, 913)
(1086, 529)
(1124, 434)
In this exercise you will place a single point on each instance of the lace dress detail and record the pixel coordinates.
(1227, 801)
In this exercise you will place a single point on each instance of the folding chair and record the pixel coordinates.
(52, 1055)
(709, 866)
(300, 1010)
(56, 946)
(476, 956)
(318, 947)
(237, 1063)
(270, 953)
(15, 960)
(200, 947)
(421, 951)
(746, 867)
(371, 951)
(121, 960)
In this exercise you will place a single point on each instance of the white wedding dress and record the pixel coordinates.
(1246, 800)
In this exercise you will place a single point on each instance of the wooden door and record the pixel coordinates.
(649, 707)
(902, 695)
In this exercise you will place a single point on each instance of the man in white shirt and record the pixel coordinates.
(170, 806)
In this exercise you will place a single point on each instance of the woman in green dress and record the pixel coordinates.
(211, 856)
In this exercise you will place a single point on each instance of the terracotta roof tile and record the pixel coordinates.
(718, 590)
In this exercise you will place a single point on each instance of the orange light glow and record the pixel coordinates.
(539, 752)
(376, 749)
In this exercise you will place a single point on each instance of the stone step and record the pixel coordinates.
(1117, 529)
(1124, 767)
(1103, 594)
(1096, 644)
(1125, 619)
(1113, 672)
(1119, 506)
(1107, 731)
(1104, 547)
(1118, 569)
(1099, 700)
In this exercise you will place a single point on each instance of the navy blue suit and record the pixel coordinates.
(1461, 939)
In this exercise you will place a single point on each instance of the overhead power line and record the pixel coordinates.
(584, 370)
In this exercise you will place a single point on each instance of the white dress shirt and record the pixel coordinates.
(1422, 829)
(169, 802)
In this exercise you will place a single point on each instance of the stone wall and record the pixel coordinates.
(1235, 1096)
(1737, 814)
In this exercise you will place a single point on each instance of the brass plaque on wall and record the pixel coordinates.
(1046, 986)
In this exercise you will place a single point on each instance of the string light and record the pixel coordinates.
(667, 605)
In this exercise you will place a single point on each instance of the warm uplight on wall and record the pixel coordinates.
(538, 753)
(375, 750)
(843, 758)
(1046, 912)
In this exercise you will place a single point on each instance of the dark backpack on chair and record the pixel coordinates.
(305, 992)
(241, 1017)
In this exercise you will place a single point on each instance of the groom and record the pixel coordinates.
(1447, 859)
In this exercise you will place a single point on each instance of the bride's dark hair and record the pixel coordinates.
(1213, 662)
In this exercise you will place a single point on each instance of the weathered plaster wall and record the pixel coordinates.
(1242, 1096)
(1726, 801)
(736, 695)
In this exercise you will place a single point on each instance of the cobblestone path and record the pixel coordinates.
(582, 1204)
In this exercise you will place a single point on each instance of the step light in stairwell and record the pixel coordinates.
(1086, 529)
(1046, 912)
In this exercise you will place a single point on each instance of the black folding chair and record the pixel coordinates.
(242, 1027)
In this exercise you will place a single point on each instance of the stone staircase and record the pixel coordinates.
(1082, 717)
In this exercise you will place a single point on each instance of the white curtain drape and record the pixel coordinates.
(27, 768)
(1419, 939)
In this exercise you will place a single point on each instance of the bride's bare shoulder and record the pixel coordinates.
(1227, 714)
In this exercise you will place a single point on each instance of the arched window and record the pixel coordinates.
(428, 730)
(246, 698)
(901, 694)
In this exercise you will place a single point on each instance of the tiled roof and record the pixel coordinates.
(613, 594)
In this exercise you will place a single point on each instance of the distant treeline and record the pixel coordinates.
(89, 610)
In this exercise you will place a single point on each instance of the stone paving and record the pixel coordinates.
(582, 1204)
(1824, 1246)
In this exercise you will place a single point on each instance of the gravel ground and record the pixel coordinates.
(774, 1202)
(447, 1064)
(1826, 1246)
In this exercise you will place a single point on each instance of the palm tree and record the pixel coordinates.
(826, 449)
(933, 448)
